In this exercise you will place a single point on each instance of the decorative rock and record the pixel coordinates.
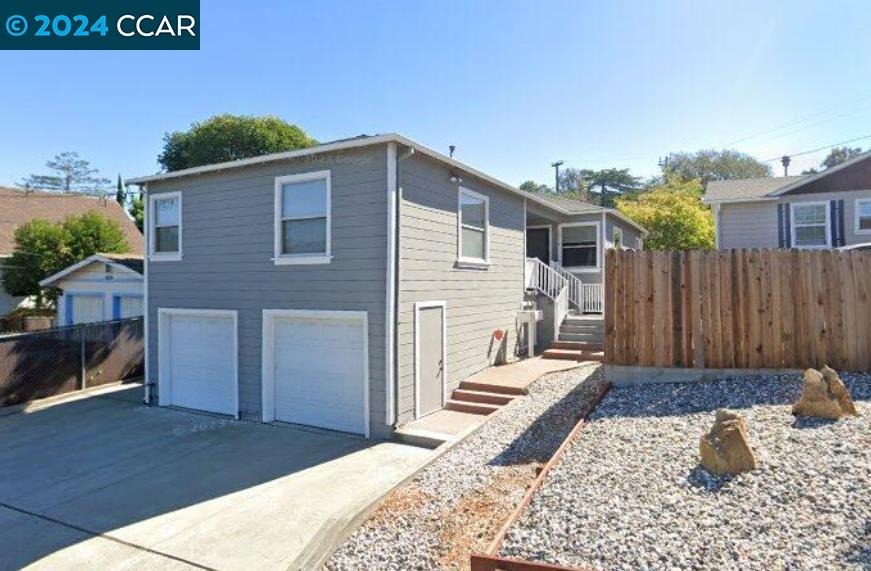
(724, 450)
(839, 390)
(824, 396)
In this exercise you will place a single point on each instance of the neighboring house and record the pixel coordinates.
(825, 210)
(17, 207)
(101, 287)
(349, 286)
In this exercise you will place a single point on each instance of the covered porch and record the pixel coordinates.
(570, 249)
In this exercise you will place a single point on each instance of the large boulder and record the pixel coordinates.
(725, 450)
(824, 396)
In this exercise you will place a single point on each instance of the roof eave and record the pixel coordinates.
(342, 145)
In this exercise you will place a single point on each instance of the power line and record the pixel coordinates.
(803, 119)
(818, 149)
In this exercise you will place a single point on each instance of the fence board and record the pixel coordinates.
(741, 308)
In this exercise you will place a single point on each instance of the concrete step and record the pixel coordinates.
(578, 346)
(583, 337)
(491, 388)
(473, 408)
(584, 321)
(481, 397)
(569, 328)
(570, 355)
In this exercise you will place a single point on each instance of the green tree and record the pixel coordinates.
(710, 164)
(610, 182)
(72, 173)
(230, 137)
(838, 155)
(121, 193)
(673, 214)
(43, 248)
(532, 186)
(137, 211)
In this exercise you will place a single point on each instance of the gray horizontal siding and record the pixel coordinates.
(478, 301)
(748, 225)
(227, 225)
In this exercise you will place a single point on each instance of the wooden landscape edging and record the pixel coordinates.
(738, 309)
(490, 560)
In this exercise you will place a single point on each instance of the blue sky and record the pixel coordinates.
(515, 85)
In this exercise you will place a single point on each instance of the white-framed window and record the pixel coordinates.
(473, 228)
(863, 216)
(579, 246)
(165, 226)
(302, 218)
(617, 238)
(809, 224)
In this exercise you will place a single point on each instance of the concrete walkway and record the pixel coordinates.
(106, 483)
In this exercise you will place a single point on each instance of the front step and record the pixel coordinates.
(473, 408)
(491, 388)
(581, 337)
(578, 346)
(488, 397)
(572, 355)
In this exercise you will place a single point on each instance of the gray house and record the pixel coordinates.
(826, 210)
(353, 285)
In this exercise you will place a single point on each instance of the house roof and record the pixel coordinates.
(120, 261)
(737, 190)
(560, 205)
(18, 207)
(769, 188)
(135, 262)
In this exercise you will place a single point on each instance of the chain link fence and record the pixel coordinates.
(65, 359)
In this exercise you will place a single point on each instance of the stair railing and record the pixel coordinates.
(588, 298)
(551, 283)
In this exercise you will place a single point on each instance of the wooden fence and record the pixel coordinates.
(738, 309)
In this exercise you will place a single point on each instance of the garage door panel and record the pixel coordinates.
(320, 370)
(201, 355)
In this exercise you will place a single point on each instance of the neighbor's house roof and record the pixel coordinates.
(367, 140)
(122, 262)
(738, 190)
(769, 188)
(18, 207)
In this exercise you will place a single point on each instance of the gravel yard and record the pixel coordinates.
(457, 504)
(629, 493)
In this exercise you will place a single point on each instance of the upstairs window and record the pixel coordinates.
(302, 218)
(580, 246)
(863, 216)
(474, 220)
(810, 224)
(165, 234)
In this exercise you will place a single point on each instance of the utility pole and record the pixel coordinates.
(556, 166)
(785, 160)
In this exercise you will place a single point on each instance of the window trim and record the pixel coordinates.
(281, 259)
(463, 261)
(828, 224)
(152, 221)
(856, 207)
(583, 269)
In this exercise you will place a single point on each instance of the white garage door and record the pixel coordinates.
(198, 361)
(320, 369)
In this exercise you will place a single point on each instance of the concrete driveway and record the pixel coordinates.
(106, 483)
